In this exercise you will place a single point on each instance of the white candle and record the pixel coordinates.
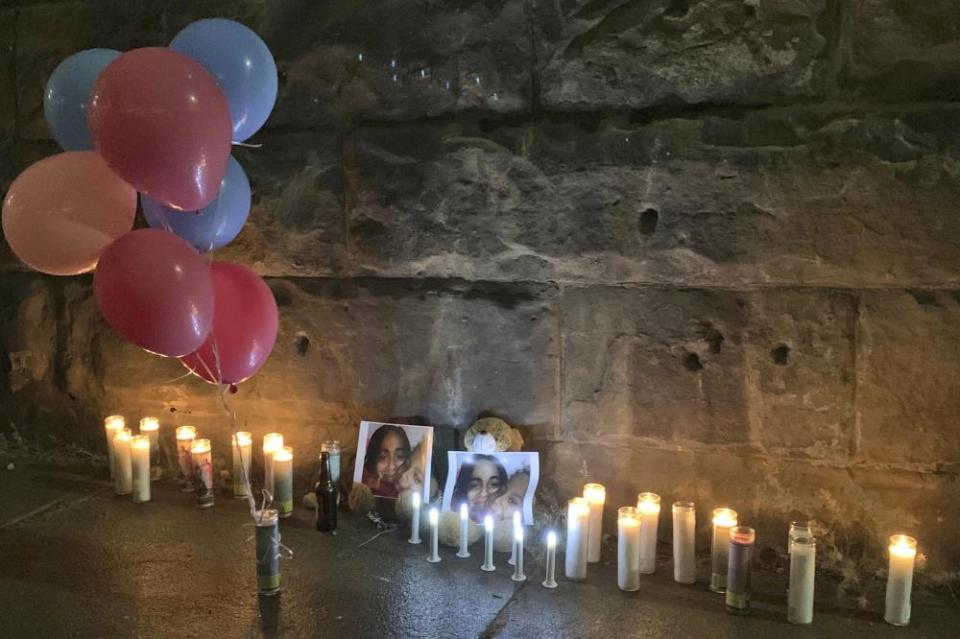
(578, 531)
(111, 425)
(513, 547)
(202, 472)
(550, 580)
(684, 542)
(903, 552)
(242, 445)
(123, 464)
(628, 548)
(518, 544)
(797, 530)
(140, 462)
(150, 426)
(596, 495)
(283, 481)
(488, 544)
(723, 520)
(803, 559)
(434, 536)
(185, 437)
(649, 506)
(272, 442)
(415, 523)
(464, 524)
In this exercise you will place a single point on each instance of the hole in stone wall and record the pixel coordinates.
(691, 362)
(781, 355)
(302, 344)
(712, 337)
(648, 221)
(677, 8)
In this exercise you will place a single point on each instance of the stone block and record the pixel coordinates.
(398, 60)
(908, 391)
(654, 364)
(898, 50)
(670, 52)
(8, 75)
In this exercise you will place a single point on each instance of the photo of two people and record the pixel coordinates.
(393, 459)
(497, 484)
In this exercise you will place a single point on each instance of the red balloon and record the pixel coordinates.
(154, 289)
(162, 124)
(244, 327)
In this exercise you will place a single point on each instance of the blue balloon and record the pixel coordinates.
(215, 225)
(67, 93)
(242, 65)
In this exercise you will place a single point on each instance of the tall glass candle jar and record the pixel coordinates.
(185, 437)
(203, 472)
(648, 504)
(140, 458)
(684, 542)
(123, 462)
(268, 552)
(283, 481)
(150, 426)
(723, 520)
(596, 496)
(628, 548)
(803, 559)
(739, 567)
(578, 531)
(242, 445)
(111, 425)
(903, 553)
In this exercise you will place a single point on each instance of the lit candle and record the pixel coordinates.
(518, 544)
(185, 437)
(150, 426)
(739, 564)
(649, 506)
(488, 544)
(464, 524)
(283, 481)
(122, 462)
(596, 495)
(434, 536)
(110, 427)
(797, 530)
(628, 548)
(550, 580)
(723, 520)
(242, 453)
(202, 472)
(903, 552)
(272, 442)
(684, 542)
(140, 462)
(803, 559)
(513, 546)
(578, 531)
(415, 524)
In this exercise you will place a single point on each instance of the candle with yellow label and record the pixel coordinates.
(648, 504)
(596, 495)
(185, 437)
(578, 531)
(283, 481)
(111, 425)
(684, 542)
(903, 553)
(550, 580)
(150, 426)
(628, 548)
(242, 445)
(272, 442)
(140, 460)
(202, 472)
(123, 463)
(723, 520)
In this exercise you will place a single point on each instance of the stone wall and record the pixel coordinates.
(708, 248)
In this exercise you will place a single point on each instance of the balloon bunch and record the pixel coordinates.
(160, 121)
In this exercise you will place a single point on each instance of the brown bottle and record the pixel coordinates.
(326, 497)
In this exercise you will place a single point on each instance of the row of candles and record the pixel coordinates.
(731, 552)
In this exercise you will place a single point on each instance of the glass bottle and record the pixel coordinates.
(326, 493)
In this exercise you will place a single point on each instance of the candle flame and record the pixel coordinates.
(518, 534)
(463, 511)
(140, 442)
(272, 442)
(724, 517)
(551, 539)
(114, 422)
(285, 454)
(149, 424)
(648, 503)
(488, 523)
(416, 500)
(903, 546)
(242, 438)
(186, 433)
(434, 516)
(123, 435)
(200, 446)
(595, 493)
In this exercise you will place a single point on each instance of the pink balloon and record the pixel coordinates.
(63, 211)
(161, 122)
(155, 290)
(244, 327)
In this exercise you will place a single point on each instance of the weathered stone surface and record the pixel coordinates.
(49, 32)
(638, 54)
(437, 352)
(908, 393)
(783, 196)
(902, 50)
(651, 363)
(398, 59)
(8, 77)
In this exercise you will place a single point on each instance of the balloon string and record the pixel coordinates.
(248, 145)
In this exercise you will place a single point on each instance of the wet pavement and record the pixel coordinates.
(75, 561)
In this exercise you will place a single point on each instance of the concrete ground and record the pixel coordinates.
(75, 561)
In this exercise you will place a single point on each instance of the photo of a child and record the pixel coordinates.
(499, 484)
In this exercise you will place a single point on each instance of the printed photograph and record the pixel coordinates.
(394, 458)
(497, 484)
